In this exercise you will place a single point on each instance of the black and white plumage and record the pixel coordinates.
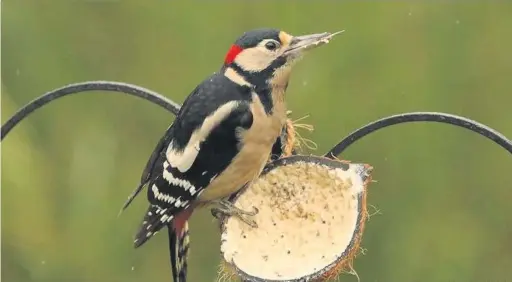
(221, 138)
(200, 144)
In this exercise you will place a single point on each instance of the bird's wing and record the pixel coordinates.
(192, 162)
(201, 102)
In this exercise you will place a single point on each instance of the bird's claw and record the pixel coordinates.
(228, 209)
(217, 213)
(249, 222)
(249, 213)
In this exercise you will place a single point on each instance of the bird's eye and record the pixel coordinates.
(271, 45)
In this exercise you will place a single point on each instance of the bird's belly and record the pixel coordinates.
(255, 147)
(245, 167)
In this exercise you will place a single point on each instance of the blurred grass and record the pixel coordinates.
(443, 192)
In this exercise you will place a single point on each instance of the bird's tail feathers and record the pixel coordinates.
(179, 249)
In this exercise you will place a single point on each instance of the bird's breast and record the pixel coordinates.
(254, 151)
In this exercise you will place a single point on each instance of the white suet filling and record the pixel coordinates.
(307, 219)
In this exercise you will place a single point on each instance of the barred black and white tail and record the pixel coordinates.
(179, 249)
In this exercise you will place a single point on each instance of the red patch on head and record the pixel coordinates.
(232, 53)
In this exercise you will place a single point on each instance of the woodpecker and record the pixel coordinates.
(222, 137)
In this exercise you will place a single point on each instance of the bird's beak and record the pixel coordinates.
(299, 44)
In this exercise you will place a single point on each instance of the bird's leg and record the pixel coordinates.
(226, 208)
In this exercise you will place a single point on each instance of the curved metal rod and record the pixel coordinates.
(172, 107)
(126, 88)
(472, 125)
(113, 86)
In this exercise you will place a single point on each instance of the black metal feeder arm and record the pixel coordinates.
(173, 107)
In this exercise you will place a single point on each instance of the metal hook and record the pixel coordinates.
(472, 125)
(113, 86)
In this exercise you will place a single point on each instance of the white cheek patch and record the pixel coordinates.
(255, 59)
(183, 160)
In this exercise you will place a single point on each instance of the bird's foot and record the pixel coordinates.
(226, 208)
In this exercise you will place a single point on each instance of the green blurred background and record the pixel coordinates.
(443, 193)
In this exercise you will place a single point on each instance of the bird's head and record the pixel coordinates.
(266, 56)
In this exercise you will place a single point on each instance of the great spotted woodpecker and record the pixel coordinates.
(221, 138)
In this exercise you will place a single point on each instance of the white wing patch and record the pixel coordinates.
(184, 160)
(161, 196)
(185, 184)
(167, 198)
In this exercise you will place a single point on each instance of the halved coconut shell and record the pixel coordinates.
(311, 217)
